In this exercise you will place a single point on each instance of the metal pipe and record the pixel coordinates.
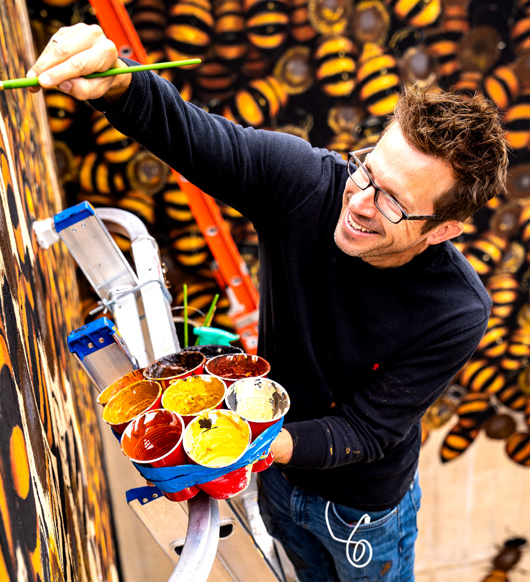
(162, 336)
(202, 538)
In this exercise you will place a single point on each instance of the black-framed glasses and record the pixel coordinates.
(384, 202)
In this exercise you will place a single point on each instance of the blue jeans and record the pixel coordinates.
(298, 520)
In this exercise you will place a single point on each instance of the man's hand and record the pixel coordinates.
(76, 51)
(282, 447)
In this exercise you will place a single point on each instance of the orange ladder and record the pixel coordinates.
(231, 270)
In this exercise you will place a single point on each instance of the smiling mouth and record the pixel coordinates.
(358, 227)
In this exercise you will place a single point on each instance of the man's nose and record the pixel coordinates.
(362, 202)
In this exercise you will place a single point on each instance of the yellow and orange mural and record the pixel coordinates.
(55, 522)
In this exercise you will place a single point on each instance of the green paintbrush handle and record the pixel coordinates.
(34, 81)
(19, 83)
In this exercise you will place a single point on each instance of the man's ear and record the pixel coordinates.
(446, 231)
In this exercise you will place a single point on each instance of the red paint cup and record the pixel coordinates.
(170, 368)
(232, 367)
(194, 395)
(229, 484)
(155, 439)
(261, 402)
(131, 401)
(217, 439)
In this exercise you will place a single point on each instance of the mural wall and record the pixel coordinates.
(55, 522)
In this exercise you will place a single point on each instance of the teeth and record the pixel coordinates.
(356, 226)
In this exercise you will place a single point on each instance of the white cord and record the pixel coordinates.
(363, 544)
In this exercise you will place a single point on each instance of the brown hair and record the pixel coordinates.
(464, 131)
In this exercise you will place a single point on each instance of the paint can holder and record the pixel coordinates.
(172, 479)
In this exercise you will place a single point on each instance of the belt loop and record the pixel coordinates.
(414, 479)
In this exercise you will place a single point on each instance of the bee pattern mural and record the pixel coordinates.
(506, 559)
(50, 459)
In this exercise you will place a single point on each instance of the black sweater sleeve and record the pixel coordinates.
(225, 160)
(376, 417)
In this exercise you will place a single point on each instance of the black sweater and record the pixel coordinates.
(380, 344)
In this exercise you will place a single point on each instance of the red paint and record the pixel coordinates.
(155, 439)
(234, 367)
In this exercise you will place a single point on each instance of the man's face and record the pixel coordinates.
(415, 180)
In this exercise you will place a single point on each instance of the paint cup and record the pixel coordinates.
(261, 402)
(130, 378)
(214, 350)
(154, 439)
(234, 367)
(217, 439)
(193, 395)
(170, 368)
(130, 402)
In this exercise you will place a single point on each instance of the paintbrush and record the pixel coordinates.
(34, 81)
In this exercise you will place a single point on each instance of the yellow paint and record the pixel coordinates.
(193, 395)
(19, 462)
(4, 575)
(218, 444)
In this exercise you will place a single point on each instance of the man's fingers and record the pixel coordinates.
(73, 52)
(63, 44)
(58, 47)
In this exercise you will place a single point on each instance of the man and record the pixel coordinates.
(366, 310)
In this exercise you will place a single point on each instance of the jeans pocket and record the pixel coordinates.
(370, 545)
(349, 516)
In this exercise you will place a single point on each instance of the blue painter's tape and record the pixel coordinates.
(172, 479)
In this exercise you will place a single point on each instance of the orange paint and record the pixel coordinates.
(19, 241)
(131, 401)
(19, 462)
(4, 354)
(115, 387)
(162, 439)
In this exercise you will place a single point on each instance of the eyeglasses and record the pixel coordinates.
(385, 203)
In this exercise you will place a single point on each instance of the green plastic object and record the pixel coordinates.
(214, 335)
